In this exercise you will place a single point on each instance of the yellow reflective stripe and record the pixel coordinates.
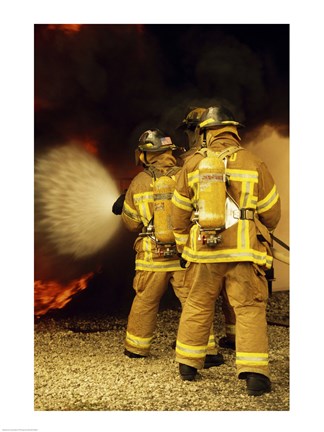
(157, 265)
(253, 202)
(142, 201)
(181, 202)
(228, 255)
(211, 342)
(190, 350)
(232, 122)
(269, 201)
(145, 211)
(224, 122)
(243, 237)
(233, 157)
(131, 213)
(193, 177)
(242, 175)
(138, 342)
(181, 239)
(147, 249)
(230, 329)
(140, 197)
(194, 236)
(252, 359)
(193, 183)
(246, 195)
(206, 122)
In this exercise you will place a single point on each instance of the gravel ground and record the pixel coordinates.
(80, 366)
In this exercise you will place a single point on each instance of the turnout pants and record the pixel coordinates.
(229, 316)
(149, 288)
(247, 292)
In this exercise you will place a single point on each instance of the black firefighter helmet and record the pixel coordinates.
(154, 140)
(217, 116)
(191, 119)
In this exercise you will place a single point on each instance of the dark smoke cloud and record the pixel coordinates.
(113, 81)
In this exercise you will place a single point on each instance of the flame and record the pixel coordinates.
(67, 28)
(53, 295)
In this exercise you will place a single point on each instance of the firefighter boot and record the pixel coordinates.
(132, 355)
(257, 384)
(212, 360)
(187, 373)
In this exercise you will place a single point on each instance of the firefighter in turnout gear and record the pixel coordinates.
(236, 250)
(147, 211)
(190, 126)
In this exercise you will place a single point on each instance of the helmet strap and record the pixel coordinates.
(142, 158)
(204, 143)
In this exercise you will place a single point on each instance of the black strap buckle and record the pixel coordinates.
(247, 214)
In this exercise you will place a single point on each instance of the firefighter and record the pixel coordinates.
(189, 126)
(147, 211)
(235, 247)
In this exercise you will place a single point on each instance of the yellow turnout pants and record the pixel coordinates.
(149, 288)
(247, 291)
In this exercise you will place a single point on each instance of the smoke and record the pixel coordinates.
(115, 81)
(260, 142)
(73, 199)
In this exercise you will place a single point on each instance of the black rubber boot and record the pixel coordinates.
(212, 360)
(187, 373)
(225, 342)
(132, 355)
(257, 384)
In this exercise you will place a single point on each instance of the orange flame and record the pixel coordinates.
(53, 295)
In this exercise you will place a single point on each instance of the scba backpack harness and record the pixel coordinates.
(215, 209)
(159, 228)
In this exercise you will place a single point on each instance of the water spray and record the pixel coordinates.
(74, 194)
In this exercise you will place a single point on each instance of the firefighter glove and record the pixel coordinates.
(117, 207)
(183, 262)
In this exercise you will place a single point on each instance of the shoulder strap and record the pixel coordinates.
(223, 154)
(153, 172)
(172, 171)
(202, 151)
(229, 151)
(156, 173)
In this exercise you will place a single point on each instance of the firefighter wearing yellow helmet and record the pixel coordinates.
(236, 247)
(147, 211)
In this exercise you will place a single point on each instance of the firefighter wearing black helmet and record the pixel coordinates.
(240, 252)
(145, 211)
(190, 126)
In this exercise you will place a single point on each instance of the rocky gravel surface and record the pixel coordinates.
(79, 365)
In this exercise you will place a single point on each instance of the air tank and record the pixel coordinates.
(212, 192)
(162, 194)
